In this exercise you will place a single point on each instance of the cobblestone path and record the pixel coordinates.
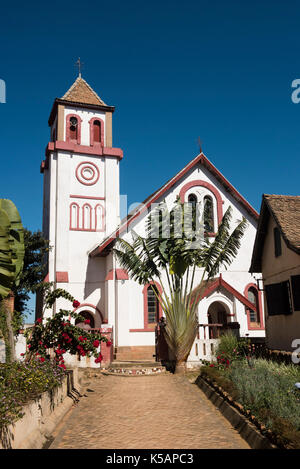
(151, 412)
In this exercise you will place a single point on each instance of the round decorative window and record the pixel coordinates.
(87, 173)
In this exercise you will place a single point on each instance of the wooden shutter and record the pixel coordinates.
(277, 242)
(278, 298)
(295, 281)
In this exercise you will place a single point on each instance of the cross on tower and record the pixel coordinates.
(79, 65)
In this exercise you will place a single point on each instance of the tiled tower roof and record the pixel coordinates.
(81, 92)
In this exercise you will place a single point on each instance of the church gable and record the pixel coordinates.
(199, 179)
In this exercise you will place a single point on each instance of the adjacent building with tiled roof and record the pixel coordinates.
(276, 254)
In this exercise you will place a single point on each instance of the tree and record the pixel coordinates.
(34, 268)
(11, 265)
(174, 247)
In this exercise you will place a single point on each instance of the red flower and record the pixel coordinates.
(87, 321)
(96, 343)
(22, 354)
(39, 320)
(81, 338)
(99, 358)
(108, 343)
(211, 365)
(29, 345)
(42, 359)
(76, 304)
(62, 366)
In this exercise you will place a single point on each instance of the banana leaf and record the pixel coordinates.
(16, 236)
(7, 266)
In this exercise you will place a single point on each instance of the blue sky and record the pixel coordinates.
(221, 70)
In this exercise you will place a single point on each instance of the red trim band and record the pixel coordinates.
(62, 277)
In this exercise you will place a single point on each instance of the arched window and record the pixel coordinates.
(254, 317)
(73, 128)
(208, 214)
(152, 304)
(253, 297)
(99, 218)
(87, 217)
(192, 199)
(97, 131)
(152, 307)
(74, 216)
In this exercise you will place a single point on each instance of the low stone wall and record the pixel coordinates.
(41, 416)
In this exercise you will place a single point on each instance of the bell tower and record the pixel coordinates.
(81, 185)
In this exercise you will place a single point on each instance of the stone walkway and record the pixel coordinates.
(150, 412)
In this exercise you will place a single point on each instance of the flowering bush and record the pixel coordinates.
(20, 382)
(57, 335)
(231, 349)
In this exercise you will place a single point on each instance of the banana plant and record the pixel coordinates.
(11, 264)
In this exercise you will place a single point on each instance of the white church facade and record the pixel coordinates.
(81, 218)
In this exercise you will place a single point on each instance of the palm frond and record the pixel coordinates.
(229, 249)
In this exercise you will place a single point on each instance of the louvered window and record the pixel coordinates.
(152, 305)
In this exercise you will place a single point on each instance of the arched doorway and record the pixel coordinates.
(217, 314)
(86, 325)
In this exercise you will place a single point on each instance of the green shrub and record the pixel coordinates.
(268, 390)
(20, 382)
(231, 348)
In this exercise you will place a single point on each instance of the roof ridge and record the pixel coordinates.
(283, 196)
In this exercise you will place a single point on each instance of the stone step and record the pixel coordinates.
(138, 369)
(134, 364)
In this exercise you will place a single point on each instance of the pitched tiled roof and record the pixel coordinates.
(285, 209)
(81, 92)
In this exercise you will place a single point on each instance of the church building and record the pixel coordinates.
(81, 218)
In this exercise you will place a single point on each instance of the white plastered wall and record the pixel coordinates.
(130, 305)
